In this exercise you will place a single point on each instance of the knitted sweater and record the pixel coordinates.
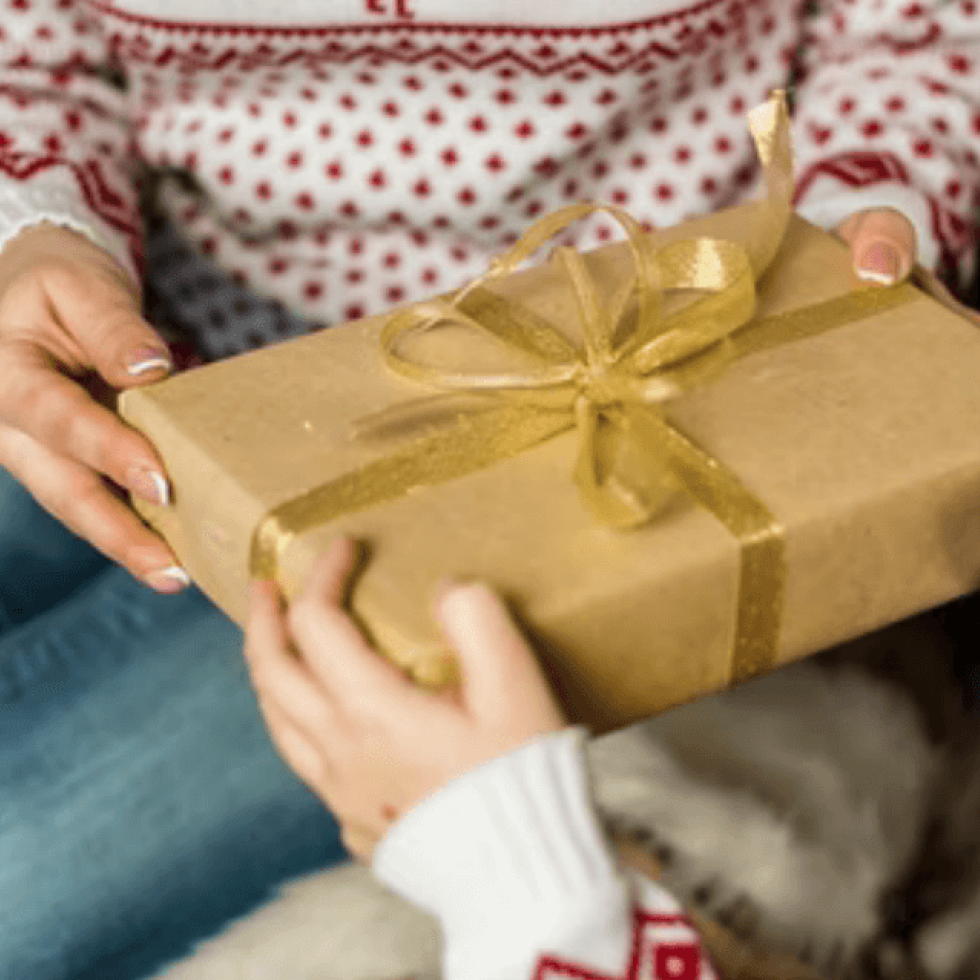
(343, 166)
(511, 859)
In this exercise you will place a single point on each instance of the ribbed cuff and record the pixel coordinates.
(512, 859)
(23, 205)
(827, 203)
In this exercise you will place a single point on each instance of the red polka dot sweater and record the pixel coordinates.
(348, 163)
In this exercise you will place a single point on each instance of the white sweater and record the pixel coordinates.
(511, 858)
(349, 164)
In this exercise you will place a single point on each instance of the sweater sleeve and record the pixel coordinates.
(888, 115)
(64, 139)
(513, 862)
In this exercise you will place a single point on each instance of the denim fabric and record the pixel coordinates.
(41, 561)
(141, 802)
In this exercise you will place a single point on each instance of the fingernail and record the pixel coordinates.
(169, 580)
(879, 263)
(145, 359)
(150, 484)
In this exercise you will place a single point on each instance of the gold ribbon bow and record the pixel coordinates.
(613, 387)
(635, 357)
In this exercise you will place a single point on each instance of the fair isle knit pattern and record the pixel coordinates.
(345, 166)
(395, 163)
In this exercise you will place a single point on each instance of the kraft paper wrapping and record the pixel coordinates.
(864, 440)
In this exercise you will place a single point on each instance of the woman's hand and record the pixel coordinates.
(882, 242)
(365, 739)
(883, 248)
(71, 336)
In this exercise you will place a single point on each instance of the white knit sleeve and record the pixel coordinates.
(887, 116)
(64, 139)
(512, 860)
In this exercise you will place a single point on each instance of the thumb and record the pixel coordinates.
(882, 243)
(500, 674)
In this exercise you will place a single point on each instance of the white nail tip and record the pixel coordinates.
(151, 364)
(870, 275)
(177, 573)
(163, 488)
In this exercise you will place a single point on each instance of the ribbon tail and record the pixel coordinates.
(619, 470)
(762, 574)
(770, 128)
(474, 443)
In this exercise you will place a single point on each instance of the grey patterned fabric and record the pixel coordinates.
(191, 301)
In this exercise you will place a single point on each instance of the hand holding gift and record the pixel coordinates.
(71, 334)
(369, 742)
(883, 249)
(882, 243)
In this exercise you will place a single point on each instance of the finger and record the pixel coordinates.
(360, 843)
(277, 673)
(327, 579)
(96, 309)
(330, 641)
(296, 749)
(85, 504)
(499, 668)
(57, 412)
(883, 244)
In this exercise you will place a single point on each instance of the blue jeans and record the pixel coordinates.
(142, 804)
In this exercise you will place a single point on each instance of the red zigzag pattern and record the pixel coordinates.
(91, 180)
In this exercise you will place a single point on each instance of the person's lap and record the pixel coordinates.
(41, 561)
(142, 804)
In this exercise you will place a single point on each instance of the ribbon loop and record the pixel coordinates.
(659, 356)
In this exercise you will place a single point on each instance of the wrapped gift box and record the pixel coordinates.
(860, 433)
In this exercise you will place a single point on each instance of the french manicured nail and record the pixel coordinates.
(145, 359)
(880, 263)
(169, 580)
(149, 484)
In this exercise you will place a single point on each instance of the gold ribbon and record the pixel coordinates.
(634, 359)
